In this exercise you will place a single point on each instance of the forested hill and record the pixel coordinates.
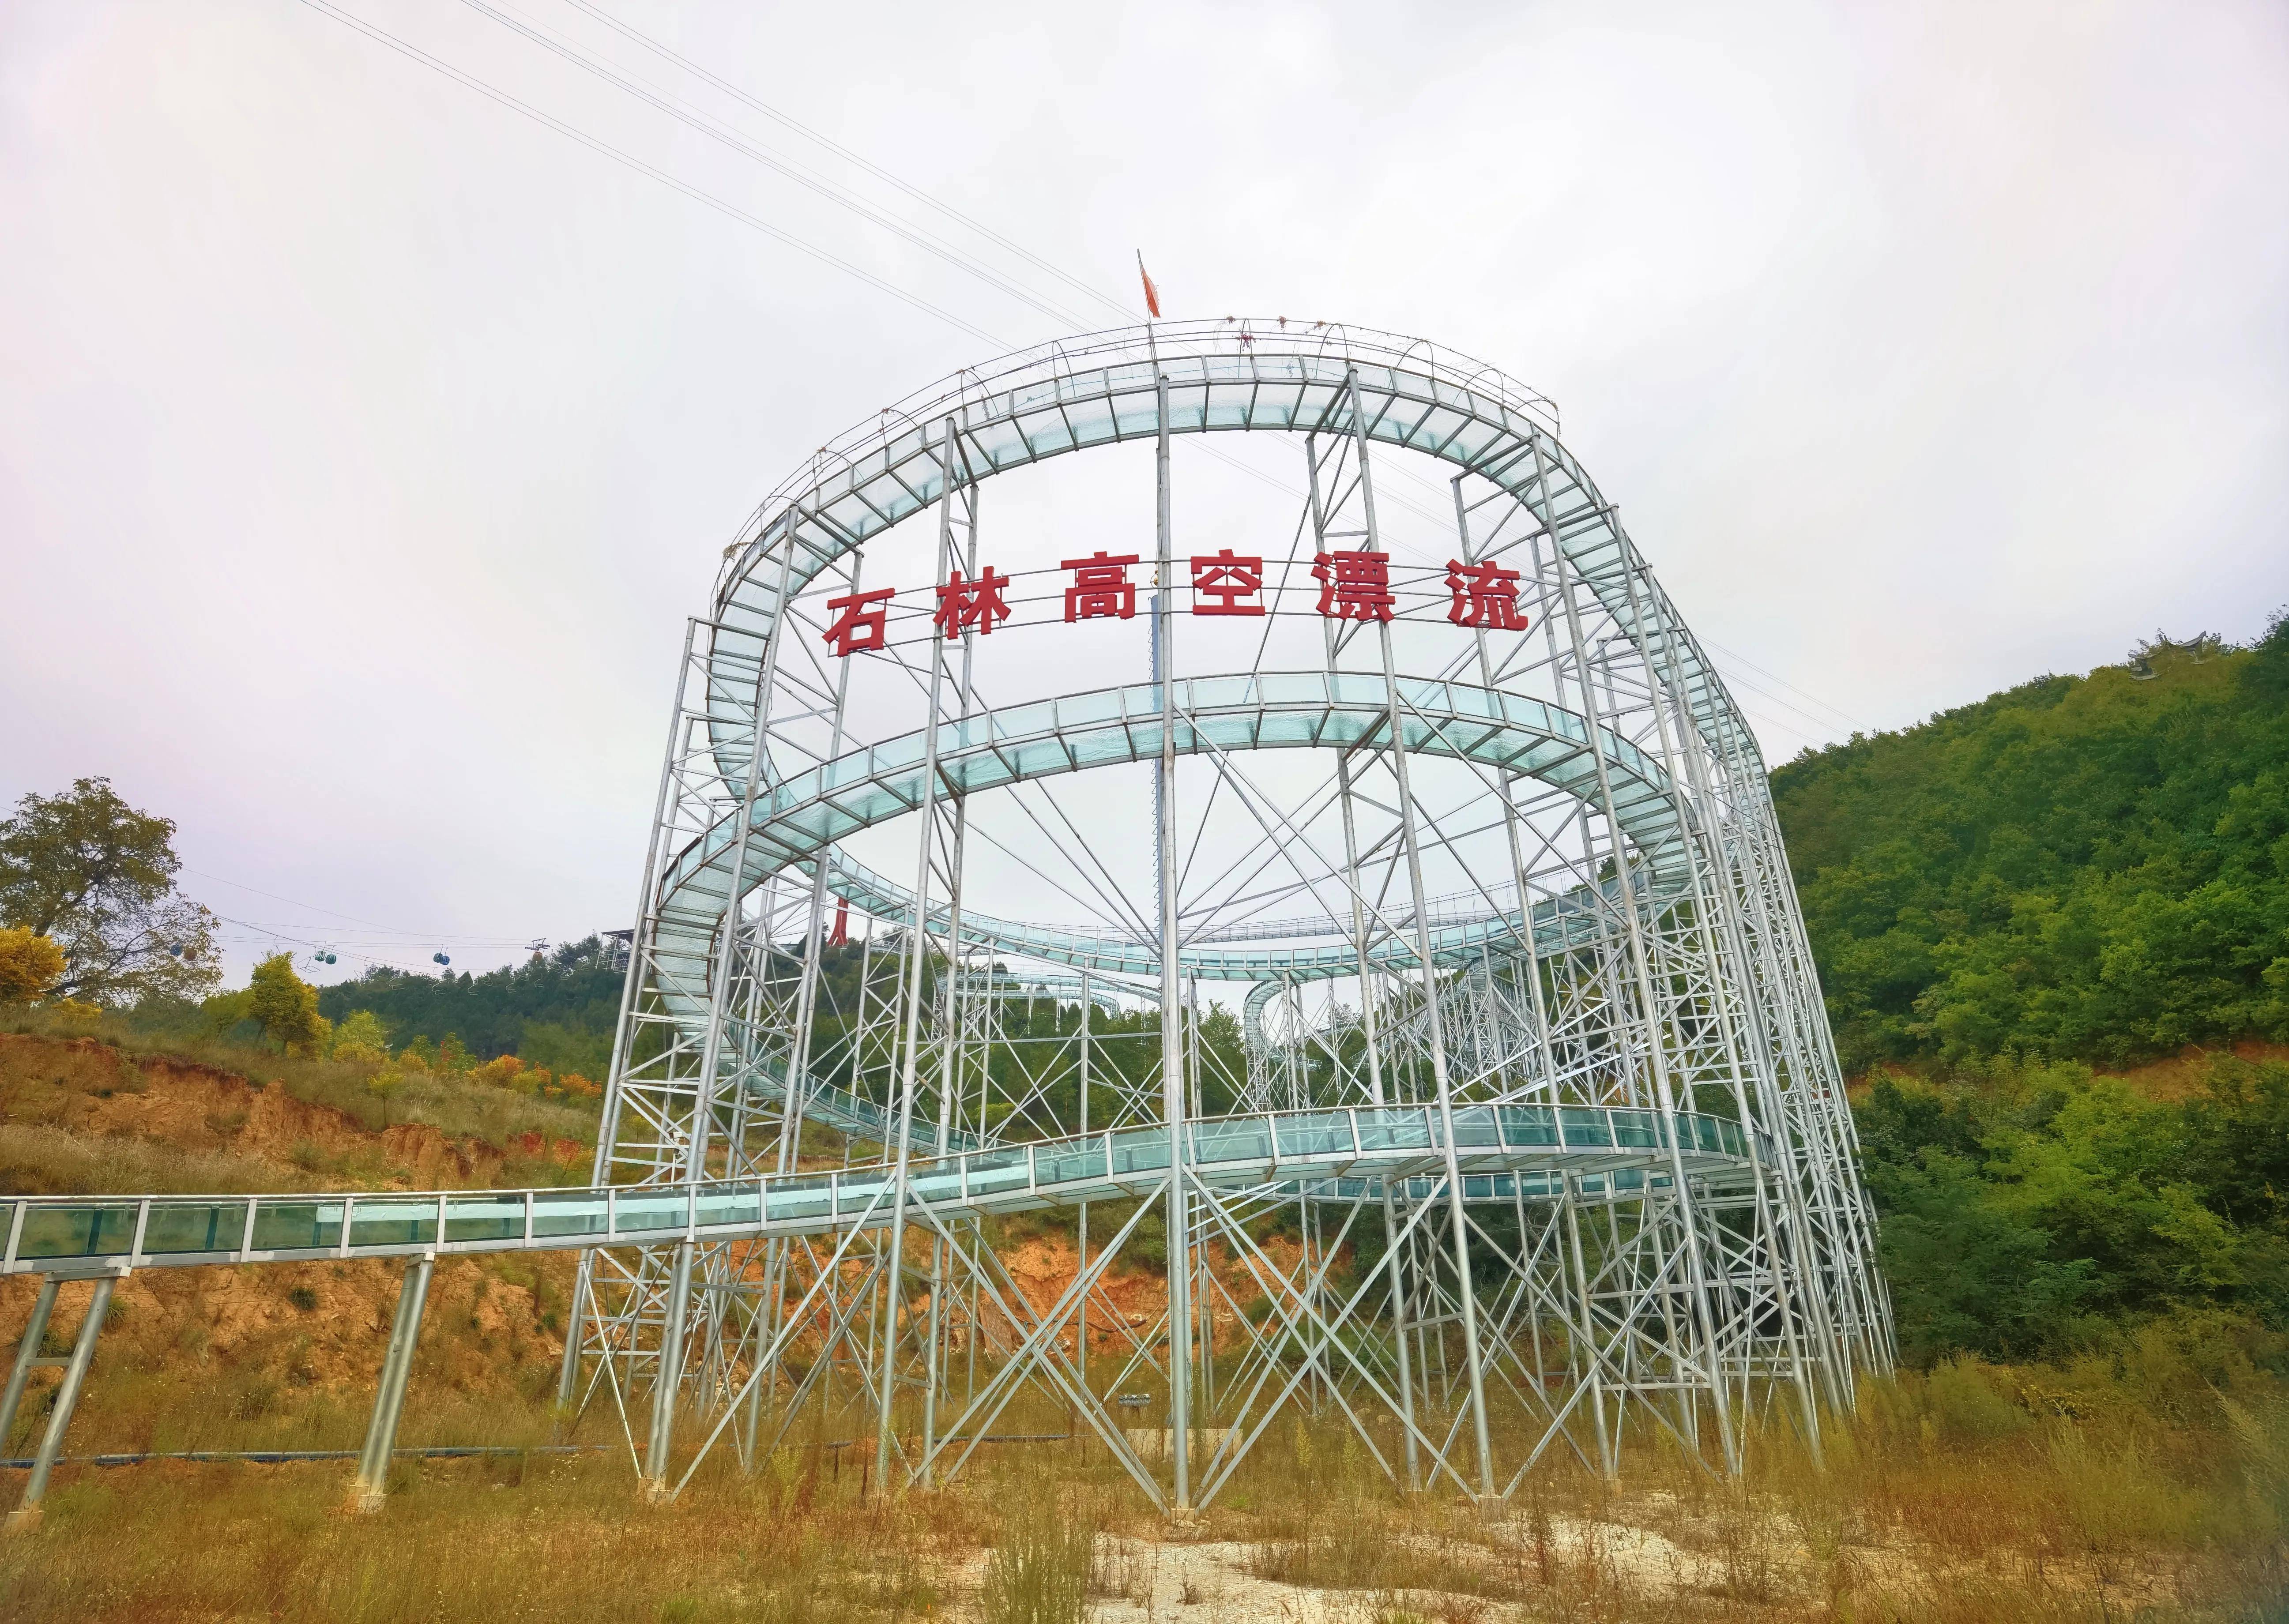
(555, 1010)
(2090, 868)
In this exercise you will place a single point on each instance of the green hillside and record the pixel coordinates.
(2081, 872)
(2083, 867)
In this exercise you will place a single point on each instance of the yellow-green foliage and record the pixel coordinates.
(286, 1005)
(29, 965)
(359, 1035)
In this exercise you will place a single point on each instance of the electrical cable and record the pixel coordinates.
(419, 935)
(1823, 703)
(699, 194)
(742, 96)
(693, 118)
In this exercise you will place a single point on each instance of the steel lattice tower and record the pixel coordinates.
(1524, 1004)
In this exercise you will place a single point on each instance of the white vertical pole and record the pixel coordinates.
(1172, 1053)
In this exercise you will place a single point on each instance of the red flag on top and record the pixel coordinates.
(1151, 294)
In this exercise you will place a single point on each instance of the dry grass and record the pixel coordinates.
(1926, 1510)
(560, 1538)
(40, 1161)
(86, 1117)
(1042, 1568)
(455, 1106)
(2058, 1523)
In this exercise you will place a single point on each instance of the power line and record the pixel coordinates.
(743, 97)
(1763, 692)
(693, 118)
(310, 907)
(732, 211)
(1823, 703)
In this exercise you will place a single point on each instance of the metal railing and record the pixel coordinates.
(1509, 1152)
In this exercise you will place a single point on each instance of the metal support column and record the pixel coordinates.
(27, 1354)
(1172, 1051)
(381, 1432)
(671, 1376)
(51, 1443)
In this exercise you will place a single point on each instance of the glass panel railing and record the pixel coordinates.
(1321, 1133)
(298, 1226)
(1637, 1129)
(569, 1212)
(1527, 1127)
(1475, 1127)
(482, 1218)
(1586, 1129)
(210, 1226)
(926, 1181)
(724, 1204)
(1735, 1142)
(790, 1200)
(392, 1223)
(1247, 1140)
(1141, 1152)
(77, 1231)
(650, 1209)
(1069, 1161)
(1394, 1129)
(998, 1172)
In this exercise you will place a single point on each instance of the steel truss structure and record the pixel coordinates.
(1627, 938)
(1440, 1022)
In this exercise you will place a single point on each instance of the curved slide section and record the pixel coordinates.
(1103, 389)
(797, 823)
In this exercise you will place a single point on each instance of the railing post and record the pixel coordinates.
(381, 1432)
(27, 1515)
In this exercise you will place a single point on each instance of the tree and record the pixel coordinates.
(96, 877)
(285, 1004)
(30, 965)
(384, 1085)
(360, 1035)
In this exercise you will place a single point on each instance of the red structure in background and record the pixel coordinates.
(840, 935)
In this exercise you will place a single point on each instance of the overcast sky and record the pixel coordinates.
(364, 443)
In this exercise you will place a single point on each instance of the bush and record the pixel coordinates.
(1039, 1572)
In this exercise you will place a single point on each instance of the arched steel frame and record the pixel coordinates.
(1669, 968)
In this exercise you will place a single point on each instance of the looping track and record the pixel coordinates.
(1527, 1133)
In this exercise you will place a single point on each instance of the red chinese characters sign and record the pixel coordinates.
(860, 621)
(1101, 587)
(1354, 585)
(1485, 596)
(1224, 583)
(963, 604)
